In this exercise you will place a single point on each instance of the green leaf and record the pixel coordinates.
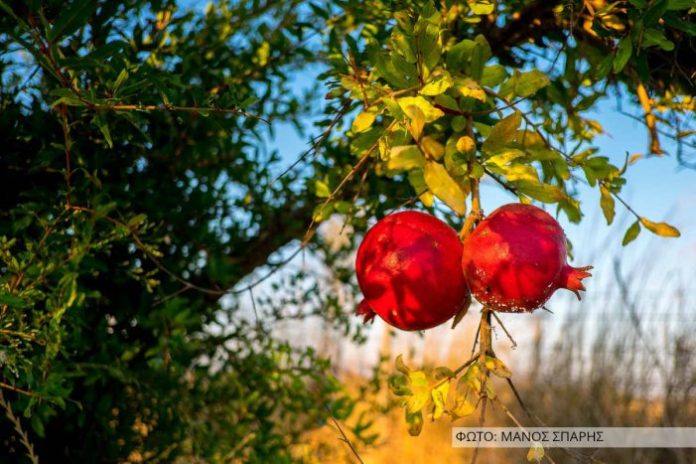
(363, 121)
(653, 14)
(427, 42)
(122, 77)
(100, 121)
(493, 75)
(405, 158)
(398, 384)
(479, 55)
(631, 233)
(502, 133)
(137, 220)
(444, 187)
(322, 212)
(429, 111)
(545, 193)
(460, 54)
(623, 54)
(414, 422)
(524, 84)
(660, 228)
(404, 45)
(606, 201)
(76, 16)
(530, 82)
(12, 301)
(417, 181)
(321, 189)
(680, 4)
(653, 37)
(437, 84)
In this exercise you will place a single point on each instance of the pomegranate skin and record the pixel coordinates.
(515, 259)
(409, 270)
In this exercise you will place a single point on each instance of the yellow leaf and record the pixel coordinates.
(429, 111)
(606, 202)
(466, 144)
(416, 122)
(363, 121)
(497, 367)
(405, 158)
(521, 172)
(536, 453)
(660, 228)
(418, 384)
(444, 187)
(468, 87)
(437, 84)
(439, 395)
(433, 148)
(462, 406)
(635, 157)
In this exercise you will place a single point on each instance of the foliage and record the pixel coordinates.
(139, 189)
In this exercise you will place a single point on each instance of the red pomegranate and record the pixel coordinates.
(408, 268)
(516, 258)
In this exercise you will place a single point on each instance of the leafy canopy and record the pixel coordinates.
(142, 202)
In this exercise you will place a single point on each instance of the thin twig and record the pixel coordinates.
(176, 108)
(344, 181)
(514, 343)
(344, 437)
(319, 141)
(23, 436)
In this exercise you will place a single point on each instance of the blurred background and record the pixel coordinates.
(623, 356)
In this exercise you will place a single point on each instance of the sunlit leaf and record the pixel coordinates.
(466, 144)
(470, 88)
(502, 133)
(405, 157)
(660, 228)
(498, 367)
(439, 397)
(437, 84)
(444, 187)
(429, 111)
(434, 149)
(363, 121)
(606, 202)
(535, 453)
(418, 384)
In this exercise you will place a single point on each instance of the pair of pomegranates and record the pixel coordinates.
(415, 273)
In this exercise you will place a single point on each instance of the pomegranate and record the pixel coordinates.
(516, 258)
(408, 268)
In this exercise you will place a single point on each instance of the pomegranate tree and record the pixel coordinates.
(408, 268)
(516, 258)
